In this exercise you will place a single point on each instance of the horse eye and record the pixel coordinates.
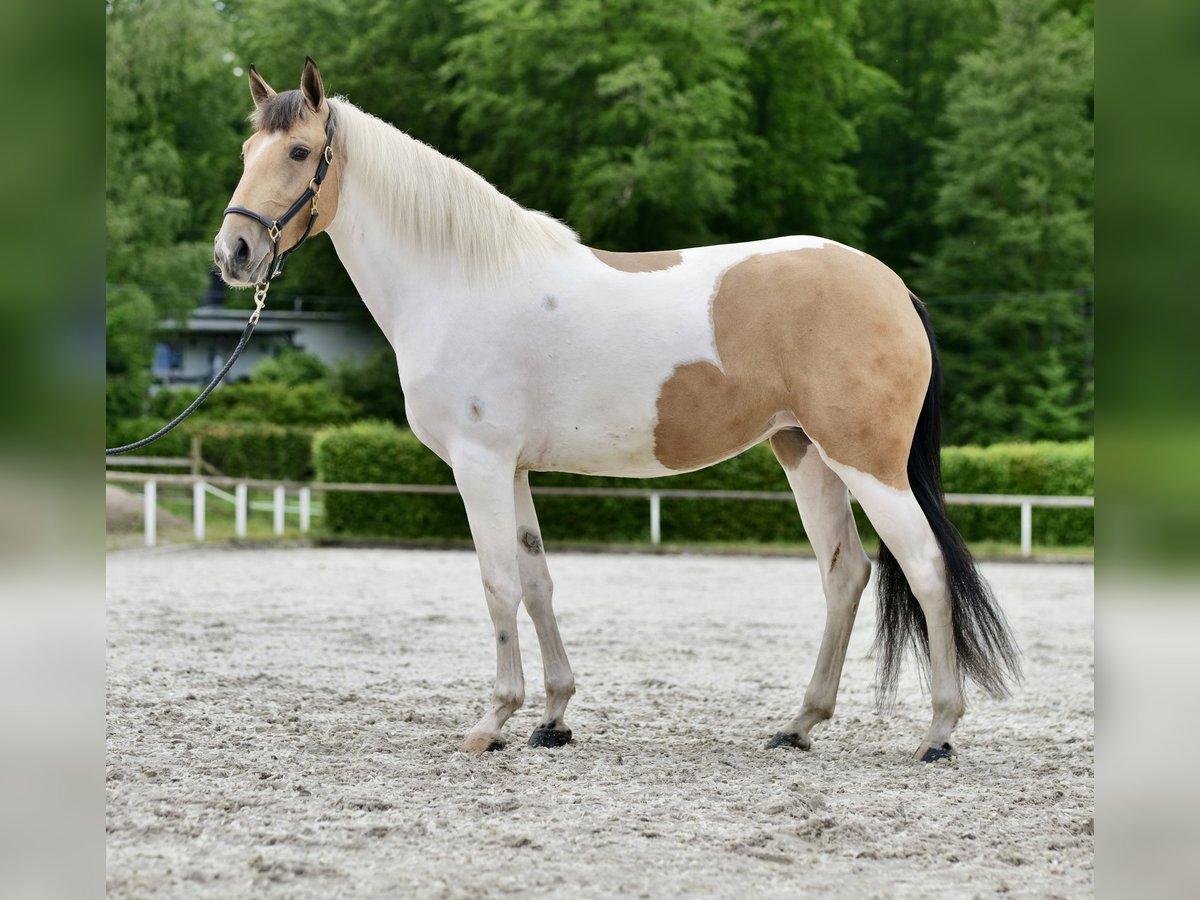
(299, 153)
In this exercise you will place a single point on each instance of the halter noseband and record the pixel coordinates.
(275, 228)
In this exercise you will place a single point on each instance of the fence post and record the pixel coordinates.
(195, 454)
(279, 501)
(305, 508)
(240, 510)
(198, 492)
(151, 508)
(655, 519)
(1027, 529)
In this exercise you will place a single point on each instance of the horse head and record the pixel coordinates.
(289, 186)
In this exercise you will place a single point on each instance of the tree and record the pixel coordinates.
(621, 117)
(808, 93)
(1015, 211)
(918, 44)
(171, 144)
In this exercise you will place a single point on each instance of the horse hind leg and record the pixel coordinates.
(824, 506)
(905, 531)
(538, 590)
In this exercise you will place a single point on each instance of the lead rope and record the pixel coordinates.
(260, 300)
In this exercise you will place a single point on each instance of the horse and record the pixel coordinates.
(521, 349)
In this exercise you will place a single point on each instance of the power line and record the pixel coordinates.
(1016, 296)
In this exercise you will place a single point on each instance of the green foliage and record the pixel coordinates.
(1015, 213)
(119, 432)
(918, 44)
(381, 453)
(280, 404)
(1044, 468)
(242, 449)
(290, 367)
(129, 322)
(809, 94)
(374, 385)
(170, 143)
(256, 449)
(621, 117)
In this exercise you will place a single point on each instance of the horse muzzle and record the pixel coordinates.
(241, 259)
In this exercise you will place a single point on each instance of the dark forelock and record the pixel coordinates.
(281, 112)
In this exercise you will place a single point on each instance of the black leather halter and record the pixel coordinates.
(312, 193)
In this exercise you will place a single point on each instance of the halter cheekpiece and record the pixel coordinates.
(275, 228)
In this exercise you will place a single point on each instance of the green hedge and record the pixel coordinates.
(119, 432)
(306, 405)
(257, 450)
(1041, 468)
(373, 452)
(243, 449)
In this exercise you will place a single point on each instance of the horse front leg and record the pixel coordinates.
(486, 486)
(552, 731)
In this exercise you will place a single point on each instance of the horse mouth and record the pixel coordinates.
(244, 276)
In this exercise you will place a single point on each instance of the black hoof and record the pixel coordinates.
(550, 737)
(933, 754)
(789, 739)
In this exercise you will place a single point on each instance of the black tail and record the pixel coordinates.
(987, 652)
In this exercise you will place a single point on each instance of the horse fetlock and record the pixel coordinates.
(946, 712)
(562, 689)
(506, 701)
(812, 713)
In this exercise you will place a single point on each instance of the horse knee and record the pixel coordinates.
(819, 711)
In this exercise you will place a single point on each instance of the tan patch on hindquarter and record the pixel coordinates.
(826, 333)
(655, 261)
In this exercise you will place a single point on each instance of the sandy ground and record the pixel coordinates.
(284, 723)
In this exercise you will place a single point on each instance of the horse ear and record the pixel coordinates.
(311, 85)
(259, 89)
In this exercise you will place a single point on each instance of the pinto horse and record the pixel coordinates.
(520, 349)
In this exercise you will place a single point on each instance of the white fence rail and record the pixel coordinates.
(202, 485)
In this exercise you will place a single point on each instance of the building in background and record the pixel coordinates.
(194, 353)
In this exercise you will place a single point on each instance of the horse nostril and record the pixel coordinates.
(242, 256)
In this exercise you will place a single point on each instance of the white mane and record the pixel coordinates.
(445, 207)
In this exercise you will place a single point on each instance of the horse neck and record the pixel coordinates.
(413, 225)
(389, 270)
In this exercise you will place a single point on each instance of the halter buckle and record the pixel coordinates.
(328, 154)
